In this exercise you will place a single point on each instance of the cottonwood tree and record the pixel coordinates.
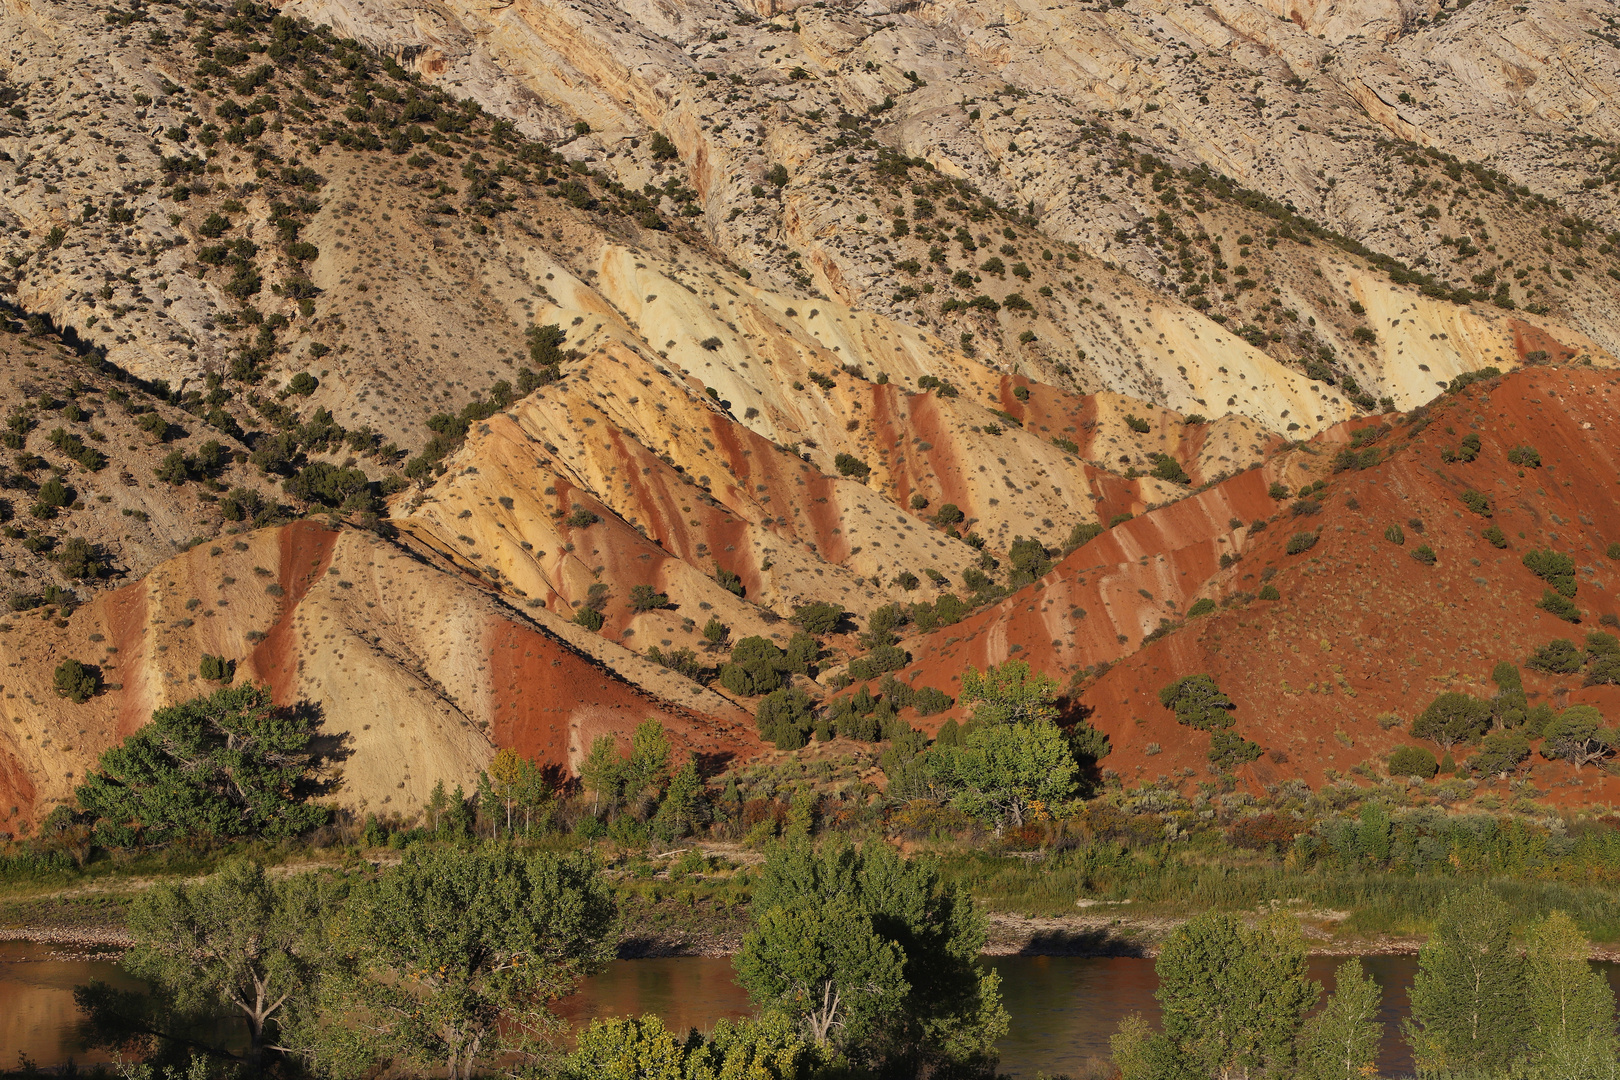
(824, 963)
(1341, 1041)
(827, 922)
(236, 941)
(459, 952)
(1234, 997)
(1571, 1004)
(1468, 995)
(767, 1047)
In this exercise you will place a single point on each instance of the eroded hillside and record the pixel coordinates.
(590, 340)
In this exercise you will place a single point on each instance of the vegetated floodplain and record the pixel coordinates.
(1367, 905)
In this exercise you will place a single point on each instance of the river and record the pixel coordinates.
(1063, 1008)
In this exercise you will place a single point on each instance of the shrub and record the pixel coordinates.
(728, 581)
(1553, 567)
(589, 618)
(646, 598)
(1278, 490)
(1477, 501)
(1082, 533)
(1525, 457)
(1613, 551)
(1201, 607)
(1137, 424)
(883, 659)
(1603, 660)
(662, 148)
(217, 668)
(1168, 468)
(1228, 750)
(850, 465)
(919, 502)
(79, 559)
(1452, 718)
(55, 494)
(1349, 459)
(303, 384)
(950, 514)
(929, 701)
(580, 518)
(1300, 543)
(1269, 592)
(1557, 657)
(1424, 554)
(680, 661)
(785, 718)
(1495, 537)
(711, 343)
(1261, 831)
(1501, 752)
(77, 681)
(1415, 761)
(1395, 535)
(1563, 608)
(1197, 702)
(818, 617)
(1468, 449)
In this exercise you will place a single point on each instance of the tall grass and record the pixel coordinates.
(1161, 884)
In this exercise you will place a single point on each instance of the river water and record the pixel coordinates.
(1063, 1008)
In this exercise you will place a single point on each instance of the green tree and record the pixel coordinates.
(1009, 694)
(642, 1048)
(1452, 718)
(236, 940)
(757, 666)
(505, 776)
(647, 771)
(77, 681)
(602, 772)
(824, 962)
(1000, 772)
(681, 809)
(1341, 1041)
(1469, 993)
(460, 951)
(818, 617)
(1198, 703)
(1577, 735)
(1571, 1004)
(226, 765)
(850, 906)
(785, 717)
(1234, 997)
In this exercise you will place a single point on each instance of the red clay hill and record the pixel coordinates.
(1364, 627)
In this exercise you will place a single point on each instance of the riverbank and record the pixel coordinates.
(673, 928)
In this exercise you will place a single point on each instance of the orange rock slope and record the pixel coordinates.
(1362, 628)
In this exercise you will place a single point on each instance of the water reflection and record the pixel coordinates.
(1063, 1008)
(38, 1017)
